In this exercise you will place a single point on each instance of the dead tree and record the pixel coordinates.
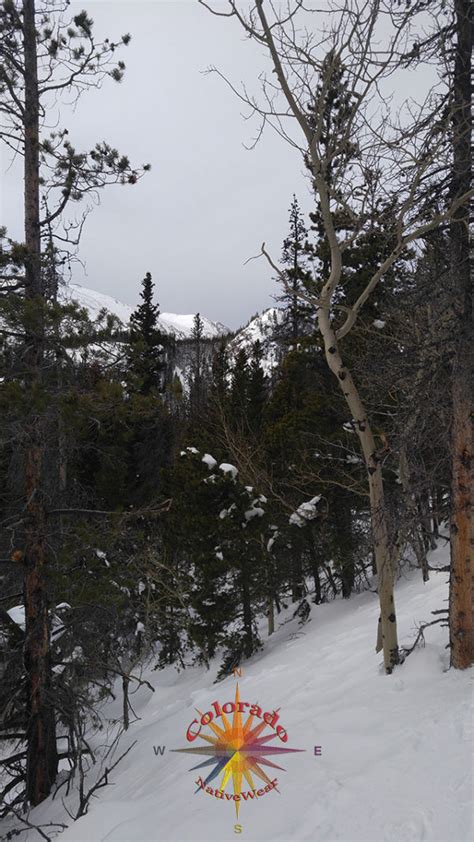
(395, 155)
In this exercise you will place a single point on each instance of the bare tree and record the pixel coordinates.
(374, 154)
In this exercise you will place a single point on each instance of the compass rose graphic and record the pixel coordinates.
(239, 750)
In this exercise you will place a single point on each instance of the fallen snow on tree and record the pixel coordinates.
(255, 511)
(228, 469)
(209, 461)
(307, 511)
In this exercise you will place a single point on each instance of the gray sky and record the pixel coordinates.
(208, 203)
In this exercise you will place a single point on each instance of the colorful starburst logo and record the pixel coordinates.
(237, 749)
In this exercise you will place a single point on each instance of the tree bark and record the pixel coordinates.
(42, 759)
(387, 639)
(461, 621)
(415, 537)
(246, 611)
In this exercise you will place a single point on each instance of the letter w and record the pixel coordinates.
(246, 795)
(159, 750)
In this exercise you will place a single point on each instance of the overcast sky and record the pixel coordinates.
(208, 203)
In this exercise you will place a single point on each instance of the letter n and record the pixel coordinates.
(238, 671)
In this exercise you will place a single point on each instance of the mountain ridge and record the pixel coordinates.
(180, 325)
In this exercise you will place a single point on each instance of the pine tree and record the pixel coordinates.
(220, 375)
(296, 279)
(257, 389)
(40, 52)
(196, 386)
(461, 600)
(146, 352)
(238, 395)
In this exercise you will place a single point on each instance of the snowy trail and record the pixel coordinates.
(396, 762)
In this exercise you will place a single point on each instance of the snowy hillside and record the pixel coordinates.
(179, 325)
(395, 763)
(262, 328)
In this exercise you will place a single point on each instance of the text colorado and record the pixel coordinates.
(271, 719)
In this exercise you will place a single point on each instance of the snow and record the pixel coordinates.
(379, 324)
(17, 614)
(307, 511)
(209, 461)
(261, 328)
(226, 468)
(255, 511)
(170, 323)
(396, 751)
(103, 556)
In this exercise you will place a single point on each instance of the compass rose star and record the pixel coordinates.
(238, 750)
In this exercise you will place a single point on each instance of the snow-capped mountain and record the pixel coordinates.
(179, 325)
(263, 328)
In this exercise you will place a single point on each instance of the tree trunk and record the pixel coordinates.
(41, 729)
(461, 621)
(315, 563)
(270, 615)
(126, 703)
(413, 533)
(387, 639)
(297, 578)
(345, 548)
(247, 612)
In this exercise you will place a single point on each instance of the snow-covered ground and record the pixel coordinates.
(396, 751)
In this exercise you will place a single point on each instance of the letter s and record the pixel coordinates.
(237, 828)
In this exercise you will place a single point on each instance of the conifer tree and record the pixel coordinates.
(146, 351)
(196, 389)
(257, 388)
(43, 55)
(238, 395)
(220, 374)
(295, 278)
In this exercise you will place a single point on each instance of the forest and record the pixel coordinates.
(167, 501)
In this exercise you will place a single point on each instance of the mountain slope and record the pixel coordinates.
(261, 328)
(396, 751)
(179, 325)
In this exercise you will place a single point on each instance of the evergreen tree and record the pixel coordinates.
(146, 363)
(257, 388)
(220, 374)
(41, 52)
(296, 279)
(196, 385)
(238, 395)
